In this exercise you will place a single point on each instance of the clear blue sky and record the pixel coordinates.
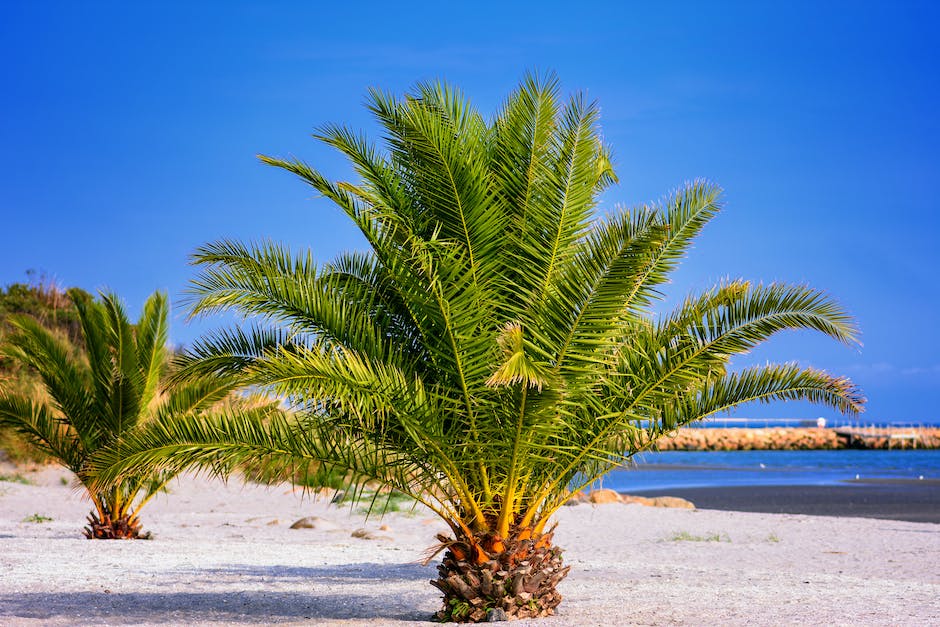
(129, 134)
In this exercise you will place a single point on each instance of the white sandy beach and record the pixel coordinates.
(226, 554)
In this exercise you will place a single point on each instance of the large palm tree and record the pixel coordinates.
(495, 348)
(98, 391)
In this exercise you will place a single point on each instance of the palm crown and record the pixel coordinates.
(98, 393)
(495, 347)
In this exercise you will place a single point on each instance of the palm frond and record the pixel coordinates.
(152, 333)
(764, 384)
(66, 379)
(43, 429)
(496, 344)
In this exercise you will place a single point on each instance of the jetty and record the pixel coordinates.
(801, 438)
(881, 438)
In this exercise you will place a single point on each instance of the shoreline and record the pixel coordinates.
(884, 499)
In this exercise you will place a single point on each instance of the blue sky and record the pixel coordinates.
(129, 137)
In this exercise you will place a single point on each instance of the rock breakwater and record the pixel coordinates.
(791, 439)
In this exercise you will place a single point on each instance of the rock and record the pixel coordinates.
(496, 615)
(385, 528)
(658, 501)
(364, 534)
(274, 522)
(577, 498)
(672, 501)
(602, 496)
(308, 522)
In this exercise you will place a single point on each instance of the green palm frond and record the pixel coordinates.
(152, 333)
(267, 442)
(40, 426)
(671, 355)
(227, 353)
(765, 384)
(496, 344)
(65, 378)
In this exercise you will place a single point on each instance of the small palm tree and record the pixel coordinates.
(495, 349)
(96, 394)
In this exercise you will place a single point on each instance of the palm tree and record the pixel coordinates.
(495, 348)
(98, 392)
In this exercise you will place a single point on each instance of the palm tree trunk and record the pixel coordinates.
(485, 573)
(103, 525)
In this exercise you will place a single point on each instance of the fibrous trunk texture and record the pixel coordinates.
(485, 574)
(107, 528)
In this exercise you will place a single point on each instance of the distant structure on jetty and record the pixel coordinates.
(801, 438)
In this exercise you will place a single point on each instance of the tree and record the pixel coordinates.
(495, 348)
(96, 393)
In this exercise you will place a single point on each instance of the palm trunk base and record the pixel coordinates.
(521, 579)
(124, 528)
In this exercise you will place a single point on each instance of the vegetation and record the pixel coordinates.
(51, 305)
(495, 348)
(303, 476)
(96, 394)
(685, 536)
(371, 501)
(44, 300)
(15, 478)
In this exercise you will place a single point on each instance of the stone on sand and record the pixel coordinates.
(672, 501)
(602, 496)
(307, 522)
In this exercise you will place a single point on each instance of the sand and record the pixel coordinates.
(224, 553)
(892, 499)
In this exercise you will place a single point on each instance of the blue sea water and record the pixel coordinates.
(694, 469)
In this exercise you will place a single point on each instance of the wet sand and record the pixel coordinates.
(914, 501)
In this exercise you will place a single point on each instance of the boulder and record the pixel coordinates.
(637, 500)
(602, 496)
(672, 501)
(364, 534)
(308, 522)
(496, 615)
(657, 501)
(577, 498)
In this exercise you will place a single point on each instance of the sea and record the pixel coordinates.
(702, 469)
(705, 469)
